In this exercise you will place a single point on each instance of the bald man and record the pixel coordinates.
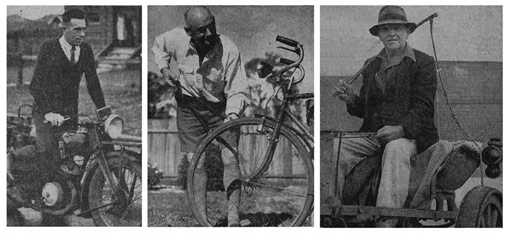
(213, 89)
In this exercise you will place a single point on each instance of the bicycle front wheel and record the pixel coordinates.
(275, 186)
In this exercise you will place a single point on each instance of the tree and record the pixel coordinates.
(265, 93)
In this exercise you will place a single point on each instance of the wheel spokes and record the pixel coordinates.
(281, 189)
(274, 187)
(127, 181)
(132, 189)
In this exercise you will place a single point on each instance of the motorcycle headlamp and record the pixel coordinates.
(113, 126)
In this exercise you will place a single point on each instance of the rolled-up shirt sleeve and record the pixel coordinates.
(237, 90)
(163, 49)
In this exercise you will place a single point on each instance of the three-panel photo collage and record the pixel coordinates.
(162, 116)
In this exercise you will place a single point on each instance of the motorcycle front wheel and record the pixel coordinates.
(125, 210)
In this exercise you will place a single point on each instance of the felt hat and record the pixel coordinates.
(392, 15)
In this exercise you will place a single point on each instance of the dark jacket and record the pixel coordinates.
(408, 99)
(56, 83)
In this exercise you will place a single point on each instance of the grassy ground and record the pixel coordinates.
(121, 89)
(170, 207)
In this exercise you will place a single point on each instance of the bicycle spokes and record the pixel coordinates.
(274, 188)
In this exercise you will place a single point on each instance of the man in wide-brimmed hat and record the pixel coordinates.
(396, 102)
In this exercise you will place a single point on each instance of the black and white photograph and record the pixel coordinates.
(230, 116)
(163, 115)
(74, 115)
(411, 116)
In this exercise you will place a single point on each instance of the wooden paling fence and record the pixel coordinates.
(19, 60)
(164, 150)
(164, 146)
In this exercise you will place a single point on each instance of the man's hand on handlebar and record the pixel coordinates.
(54, 118)
(344, 91)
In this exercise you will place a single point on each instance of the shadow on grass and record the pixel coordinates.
(260, 219)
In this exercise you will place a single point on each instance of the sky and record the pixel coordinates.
(461, 33)
(34, 12)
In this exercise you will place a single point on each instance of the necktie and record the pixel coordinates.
(72, 55)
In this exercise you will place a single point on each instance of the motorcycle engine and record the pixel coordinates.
(74, 152)
(52, 194)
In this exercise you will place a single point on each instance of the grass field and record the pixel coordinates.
(121, 89)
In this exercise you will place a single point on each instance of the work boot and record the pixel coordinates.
(386, 223)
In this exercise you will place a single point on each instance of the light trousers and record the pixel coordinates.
(395, 166)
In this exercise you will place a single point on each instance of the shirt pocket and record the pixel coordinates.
(213, 81)
(187, 73)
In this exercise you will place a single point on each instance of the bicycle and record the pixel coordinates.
(275, 159)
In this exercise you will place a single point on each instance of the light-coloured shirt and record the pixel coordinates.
(388, 64)
(67, 49)
(220, 77)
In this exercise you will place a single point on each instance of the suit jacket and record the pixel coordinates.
(56, 82)
(408, 99)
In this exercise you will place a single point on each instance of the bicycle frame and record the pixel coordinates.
(284, 113)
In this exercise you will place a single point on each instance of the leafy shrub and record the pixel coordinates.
(155, 175)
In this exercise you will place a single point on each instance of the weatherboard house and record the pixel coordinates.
(108, 29)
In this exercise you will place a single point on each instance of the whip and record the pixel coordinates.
(355, 76)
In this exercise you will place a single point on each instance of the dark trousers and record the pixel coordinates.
(45, 142)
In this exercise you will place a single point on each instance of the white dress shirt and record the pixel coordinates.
(67, 49)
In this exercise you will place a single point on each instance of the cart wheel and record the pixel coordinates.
(332, 222)
(481, 207)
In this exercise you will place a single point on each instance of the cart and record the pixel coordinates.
(436, 174)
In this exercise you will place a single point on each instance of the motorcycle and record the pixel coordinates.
(98, 173)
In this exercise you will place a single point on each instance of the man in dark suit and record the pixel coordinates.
(396, 102)
(56, 82)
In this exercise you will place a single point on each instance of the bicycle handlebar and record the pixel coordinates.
(297, 49)
(266, 70)
(287, 41)
(286, 61)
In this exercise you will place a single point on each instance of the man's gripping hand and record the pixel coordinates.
(54, 118)
(167, 75)
(231, 116)
(344, 91)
